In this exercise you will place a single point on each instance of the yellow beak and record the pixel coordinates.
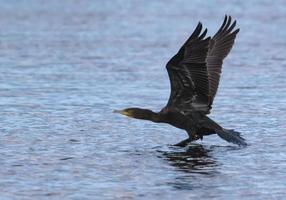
(123, 112)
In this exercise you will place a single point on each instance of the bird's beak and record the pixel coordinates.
(122, 112)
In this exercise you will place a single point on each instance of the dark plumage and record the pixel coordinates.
(194, 74)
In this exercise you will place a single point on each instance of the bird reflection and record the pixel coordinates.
(195, 159)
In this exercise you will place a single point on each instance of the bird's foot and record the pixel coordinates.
(183, 143)
(194, 137)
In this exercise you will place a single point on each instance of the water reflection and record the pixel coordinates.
(194, 159)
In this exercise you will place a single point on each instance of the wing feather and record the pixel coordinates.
(220, 46)
(188, 74)
(195, 70)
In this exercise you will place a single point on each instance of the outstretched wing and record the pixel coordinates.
(195, 70)
(188, 75)
(220, 46)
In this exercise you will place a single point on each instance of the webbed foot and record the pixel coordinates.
(189, 140)
(183, 143)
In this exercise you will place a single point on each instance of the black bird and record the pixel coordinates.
(194, 74)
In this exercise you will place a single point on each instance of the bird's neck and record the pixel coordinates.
(148, 115)
(155, 117)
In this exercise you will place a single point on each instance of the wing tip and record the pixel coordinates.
(203, 34)
(196, 32)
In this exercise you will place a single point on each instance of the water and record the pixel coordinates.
(65, 65)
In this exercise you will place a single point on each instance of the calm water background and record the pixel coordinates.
(65, 65)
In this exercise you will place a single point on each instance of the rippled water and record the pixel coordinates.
(65, 65)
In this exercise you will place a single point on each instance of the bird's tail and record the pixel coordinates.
(231, 136)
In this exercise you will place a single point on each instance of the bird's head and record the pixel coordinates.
(137, 113)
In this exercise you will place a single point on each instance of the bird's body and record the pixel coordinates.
(194, 74)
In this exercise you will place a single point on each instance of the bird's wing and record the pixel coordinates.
(188, 75)
(219, 48)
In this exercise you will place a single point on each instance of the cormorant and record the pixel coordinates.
(194, 74)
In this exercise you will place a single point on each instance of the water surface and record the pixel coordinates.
(65, 65)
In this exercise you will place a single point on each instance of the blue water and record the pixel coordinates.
(65, 65)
